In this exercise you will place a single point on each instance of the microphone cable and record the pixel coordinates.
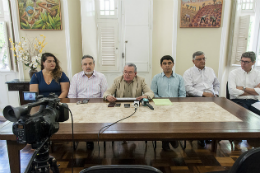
(109, 125)
(72, 135)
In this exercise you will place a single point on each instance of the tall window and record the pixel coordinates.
(247, 4)
(246, 29)
(107, 34)
(258, 48)
(5, 64)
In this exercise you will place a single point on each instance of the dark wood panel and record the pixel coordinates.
(20, 86)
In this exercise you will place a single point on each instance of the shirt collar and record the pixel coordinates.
(248, 72)
(199, 69)
(173, 74)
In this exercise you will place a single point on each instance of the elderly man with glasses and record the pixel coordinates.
(129, 85)
(244, 83)
(200, 81)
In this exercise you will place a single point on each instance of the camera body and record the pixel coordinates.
(44, 123)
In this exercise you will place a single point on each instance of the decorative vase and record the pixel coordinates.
(31, 72)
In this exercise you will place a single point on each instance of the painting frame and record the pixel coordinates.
(40, 15)
(201, 13)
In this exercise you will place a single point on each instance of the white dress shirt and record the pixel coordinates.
(83, 87)
(198, 81)
(239, 77)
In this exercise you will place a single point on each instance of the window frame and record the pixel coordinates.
(8, 34)
(107, 16)
(7, 47)
(255, 33)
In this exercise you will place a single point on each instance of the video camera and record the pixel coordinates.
(41, 125)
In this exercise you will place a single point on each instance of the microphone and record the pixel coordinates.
(145, 102)
(136, 103)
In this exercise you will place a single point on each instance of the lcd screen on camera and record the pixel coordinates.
(30, 96)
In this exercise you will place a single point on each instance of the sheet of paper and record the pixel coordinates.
(125, 99)
(161, 102)
(256, 105)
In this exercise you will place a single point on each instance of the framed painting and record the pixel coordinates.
(201, 13)
(39, 14)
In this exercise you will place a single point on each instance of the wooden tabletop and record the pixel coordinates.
(249, 127)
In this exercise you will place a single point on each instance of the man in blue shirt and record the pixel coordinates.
(168, 84)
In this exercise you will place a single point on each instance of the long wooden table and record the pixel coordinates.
(248, 128)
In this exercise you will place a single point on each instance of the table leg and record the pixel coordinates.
(214, 145)
(14, 155)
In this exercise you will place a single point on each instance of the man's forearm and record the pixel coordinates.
(247, 91)
(250, 91)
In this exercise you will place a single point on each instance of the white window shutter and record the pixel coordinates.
(107, 46)
(240, 39)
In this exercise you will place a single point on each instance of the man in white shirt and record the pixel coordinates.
(200, 81)
(244, 83)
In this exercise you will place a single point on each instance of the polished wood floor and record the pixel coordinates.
(193, 159)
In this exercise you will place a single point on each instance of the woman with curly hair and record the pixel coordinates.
(50, 79)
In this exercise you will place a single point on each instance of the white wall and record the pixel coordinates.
(8, 97)
(162, 32)
(88, 28)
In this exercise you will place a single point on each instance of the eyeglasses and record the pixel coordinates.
(128, 73)
(246, 62)
(169, 63)
(200, 59)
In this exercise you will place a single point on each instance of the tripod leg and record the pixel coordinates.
(53, 165)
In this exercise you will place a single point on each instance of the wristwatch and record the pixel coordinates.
(244, 88)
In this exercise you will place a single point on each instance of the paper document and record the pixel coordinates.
(125, 99)
(256, 105)
(160, 102)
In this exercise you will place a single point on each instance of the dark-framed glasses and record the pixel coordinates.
(245, 62)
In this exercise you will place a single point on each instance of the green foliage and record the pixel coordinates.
(29, 3)
(25, 26)
(45, 22)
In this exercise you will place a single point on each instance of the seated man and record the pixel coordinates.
(244, 83)
(168, 84)
(200, 81)
(129, 85)
(88, 84)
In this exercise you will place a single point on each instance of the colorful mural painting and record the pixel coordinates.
(39, 14)
(201, 13)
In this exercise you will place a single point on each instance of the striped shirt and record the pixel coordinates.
(83, 87)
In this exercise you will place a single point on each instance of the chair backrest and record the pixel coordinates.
(248, 162)
(121, 169)
(227, 92)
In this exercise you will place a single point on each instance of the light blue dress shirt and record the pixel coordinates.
(172, 86)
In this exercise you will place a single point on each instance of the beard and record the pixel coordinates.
(88, 73)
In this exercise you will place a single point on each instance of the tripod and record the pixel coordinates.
(41, 162)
